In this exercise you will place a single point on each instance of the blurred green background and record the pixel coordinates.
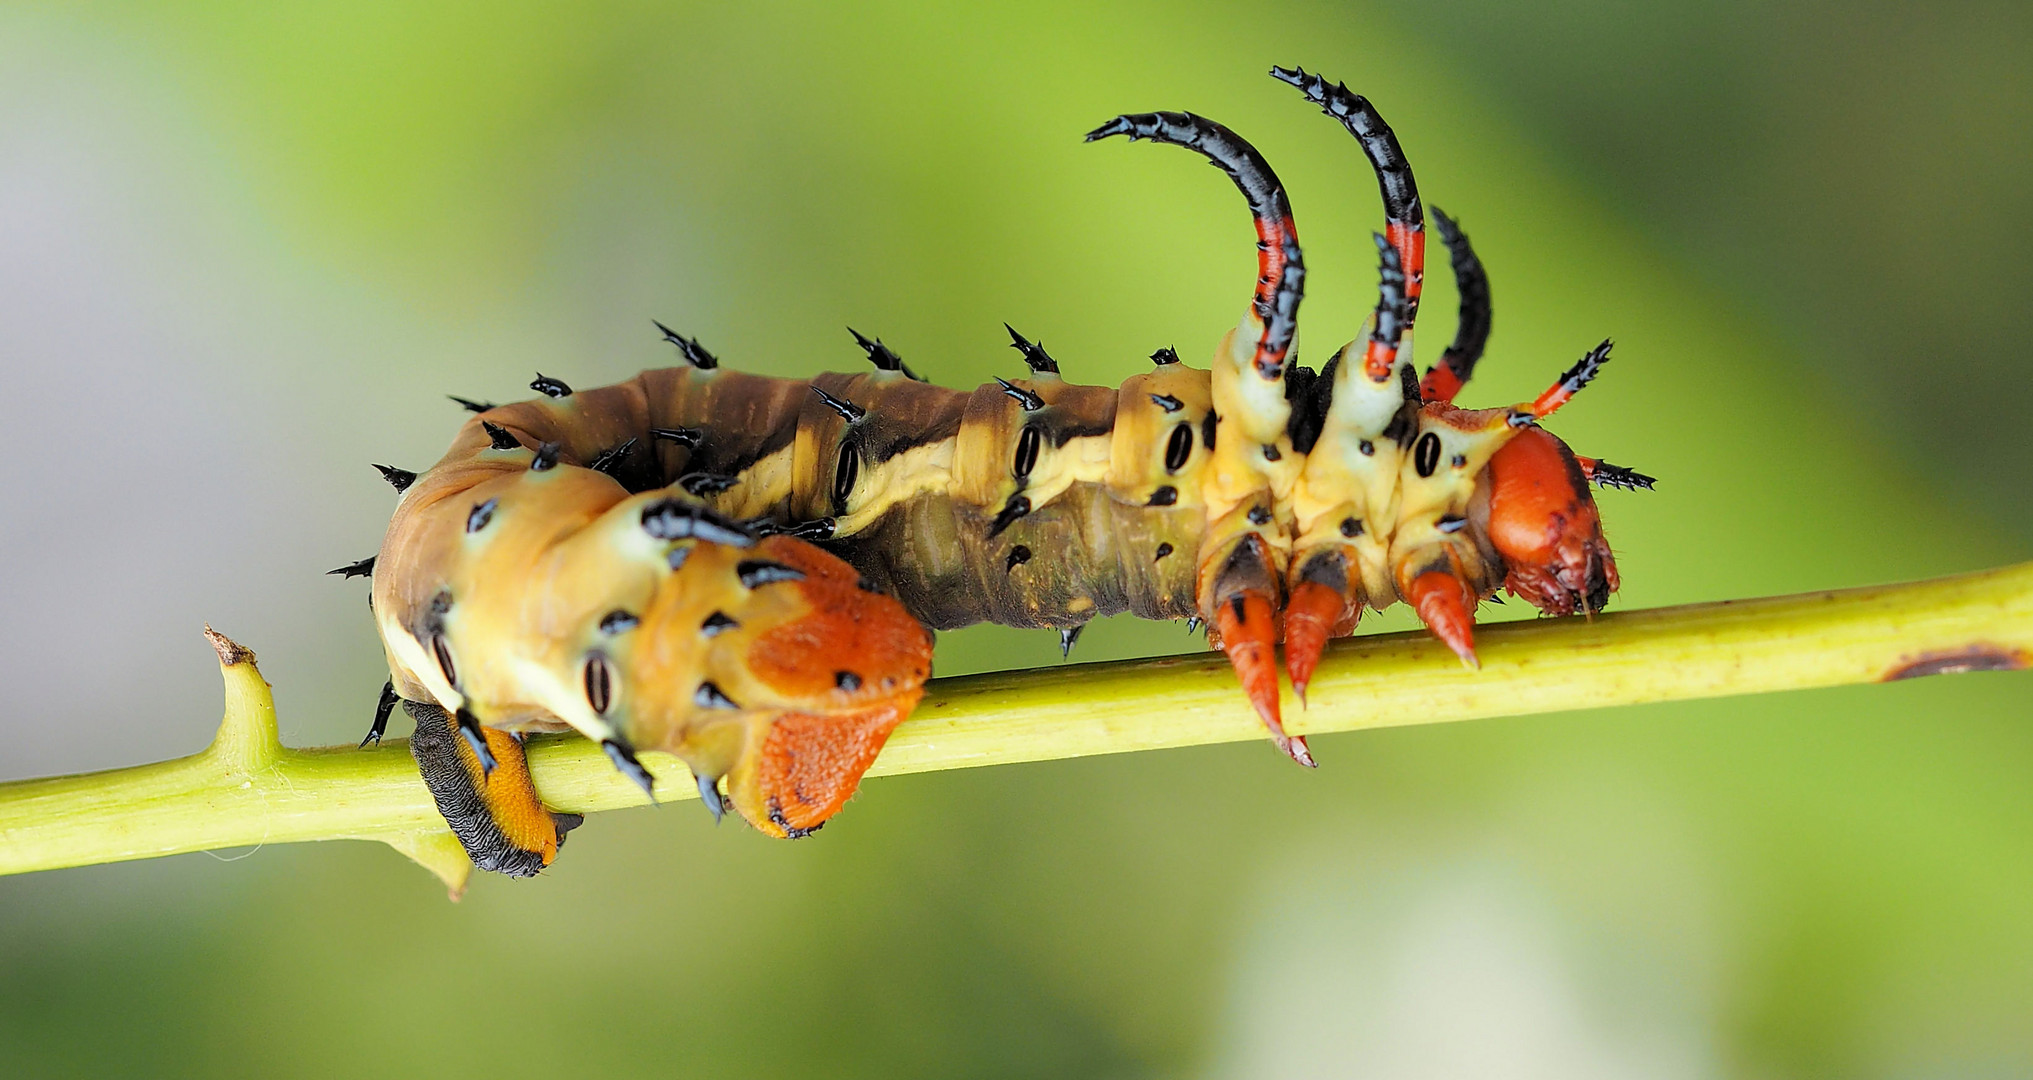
(247, 248)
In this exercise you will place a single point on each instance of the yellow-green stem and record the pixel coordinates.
(248, 789)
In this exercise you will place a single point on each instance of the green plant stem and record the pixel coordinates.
(248, 789)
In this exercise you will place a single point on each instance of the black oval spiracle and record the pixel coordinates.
(599, 679)
(443, 651)
(845, 473)
(1426, 455)
(1028, 443)
(1179, 447)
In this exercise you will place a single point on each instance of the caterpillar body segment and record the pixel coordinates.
(1247, 545)
(519, 590)
(1395, 498)
(741, 570)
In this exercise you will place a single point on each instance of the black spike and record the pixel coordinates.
(473, 406)
(694, 353)
(549, 387)
(1276, 300)
(1471, 281)
(1379, 144)
(755, 573)
(618, 621)
(1015, 508)
(702, 484)
(1067, 636)
(848, 410)
(546, 458)
(1018, 556)
(717, 624)
(1167, 402)
(1391, 312)
(1031, 402)
(499, 436)
(1166, 355)
(624, 759)
(709, 696)
(610, 461)
(382, 708)
(469, 729)
(1035, 357)
(399, 479)
(1581, 374)
(1587, 368)
(882, 356)
(1606, 475)
(684, 436)
(815, 529)
(363, 568)
(1192, 623)
(675, 519)
(480, 516)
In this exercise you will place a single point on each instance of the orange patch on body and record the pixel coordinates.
(810, 765)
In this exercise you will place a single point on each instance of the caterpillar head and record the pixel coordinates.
(1545, 524)
(772, 666)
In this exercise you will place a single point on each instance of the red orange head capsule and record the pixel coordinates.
(1544, 522)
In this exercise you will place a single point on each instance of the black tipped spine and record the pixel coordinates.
(1035, 357)
(694, 353)
(1471, 335)
(1281, 268)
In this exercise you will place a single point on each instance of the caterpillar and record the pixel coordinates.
(745, 571)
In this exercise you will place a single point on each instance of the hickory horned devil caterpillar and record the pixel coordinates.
(741, 570)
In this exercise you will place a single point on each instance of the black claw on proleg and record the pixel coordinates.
(469, 729)
(709, 796)
(381, 710)
(624, 759)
